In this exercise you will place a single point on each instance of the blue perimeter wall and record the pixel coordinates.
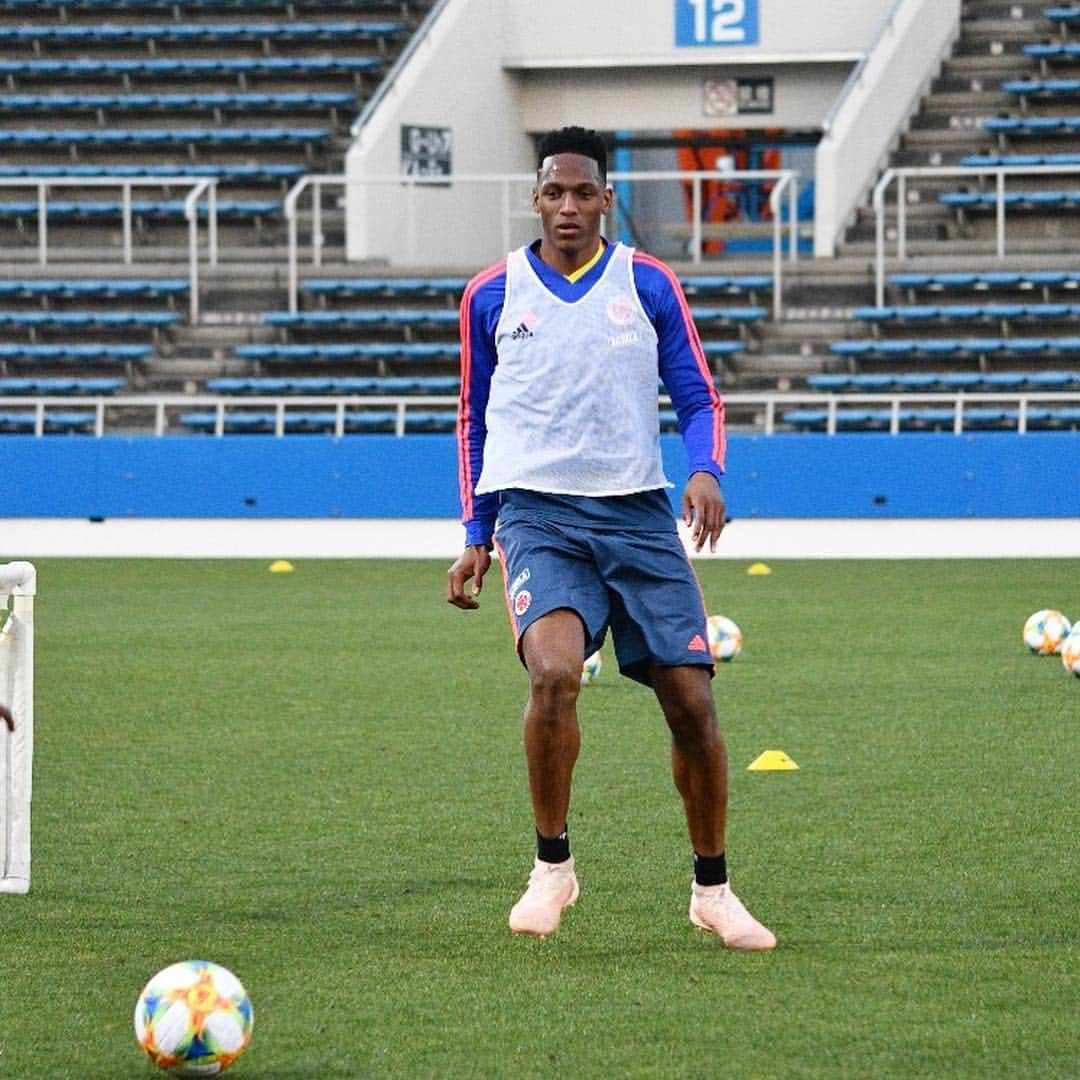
(855, 475)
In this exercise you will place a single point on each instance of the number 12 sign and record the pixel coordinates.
(716, 22)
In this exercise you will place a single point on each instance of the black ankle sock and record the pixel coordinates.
(710, 869)
(554, 849)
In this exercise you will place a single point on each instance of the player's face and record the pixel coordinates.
(571, 198)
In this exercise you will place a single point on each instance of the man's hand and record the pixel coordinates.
(703, 510)
(472, 563)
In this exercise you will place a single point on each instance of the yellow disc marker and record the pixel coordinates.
(281, 566)
(759, 569)
(771, 761)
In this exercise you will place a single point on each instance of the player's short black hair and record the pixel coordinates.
(573, 140)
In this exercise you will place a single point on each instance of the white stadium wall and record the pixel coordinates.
(880, 96)
(491, 73)
(453, 82)
(614, 32)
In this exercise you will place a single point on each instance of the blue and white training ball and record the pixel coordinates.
(590, 670)
(1045, 632)
(1070, 652)
(193, 1019)
(725, 638)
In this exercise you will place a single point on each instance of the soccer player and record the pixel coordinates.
(563, 345)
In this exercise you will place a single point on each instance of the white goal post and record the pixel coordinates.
(18, 587)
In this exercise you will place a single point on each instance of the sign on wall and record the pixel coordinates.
(716, 22)
(426, 151)
(730, 97)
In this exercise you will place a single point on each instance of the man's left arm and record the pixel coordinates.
(685, 372)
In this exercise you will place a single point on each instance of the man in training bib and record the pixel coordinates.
(563, 345)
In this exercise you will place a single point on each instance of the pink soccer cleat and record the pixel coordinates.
(552, 887)
(717, 910)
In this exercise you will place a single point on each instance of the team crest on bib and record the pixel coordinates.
(621, 310)
(522, 602)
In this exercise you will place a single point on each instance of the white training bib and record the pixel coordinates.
(573, 407)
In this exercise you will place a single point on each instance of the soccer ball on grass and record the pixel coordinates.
(1046, 631)
(193, 1019)
(590, 670)
(1070, 652)
(725, 638)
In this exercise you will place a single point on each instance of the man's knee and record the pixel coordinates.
(691, 713)
(554, 681)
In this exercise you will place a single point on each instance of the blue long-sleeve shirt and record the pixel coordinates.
(682, 367)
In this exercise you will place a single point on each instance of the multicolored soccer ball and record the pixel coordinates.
(590, 670)
(1070, 652)
(1046, 631)
(193, 1019)
(725, 638)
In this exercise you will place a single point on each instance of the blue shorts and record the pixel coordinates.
(640, 584)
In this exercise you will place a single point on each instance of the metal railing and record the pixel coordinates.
(785, 186)
(765, 409)
(969, 172)
(198, 186)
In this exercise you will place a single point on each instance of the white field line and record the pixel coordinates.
(359, 538)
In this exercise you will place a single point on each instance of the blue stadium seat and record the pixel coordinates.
(1061, 416)
(168, 136)
(88, 288)
(736, 315)
(946, 381)
(831, 383)
(147, 208)
(346, 352)
(993, 279)
(1042, 87)
(1016, 200)
(202, 67)
(97, 320)
(1062, 14)
(37, 353)
(111, 33)
(722, 348)
(974, 347)
(1032, 125)
(388, 385)
(320, 422)
(55, 422)
(960, 380)
(726, 283)
(239, 173)
(966, 312)
(245, 5)
(1047, 50)
(173, 103)
(58, 387)
(313, 320)
(344, 288)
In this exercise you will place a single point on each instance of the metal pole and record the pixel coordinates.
(316, 224)
(43, 227)
(901, 216)
(191, 212)
(212, 222)
(695, 203)
(793, 214)
(777, 247)
(999, 207)
(290, 221)
(125, 196)
(879, 241)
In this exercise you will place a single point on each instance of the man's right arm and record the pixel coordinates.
(481, 305)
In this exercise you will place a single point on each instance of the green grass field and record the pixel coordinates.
(317, 780)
